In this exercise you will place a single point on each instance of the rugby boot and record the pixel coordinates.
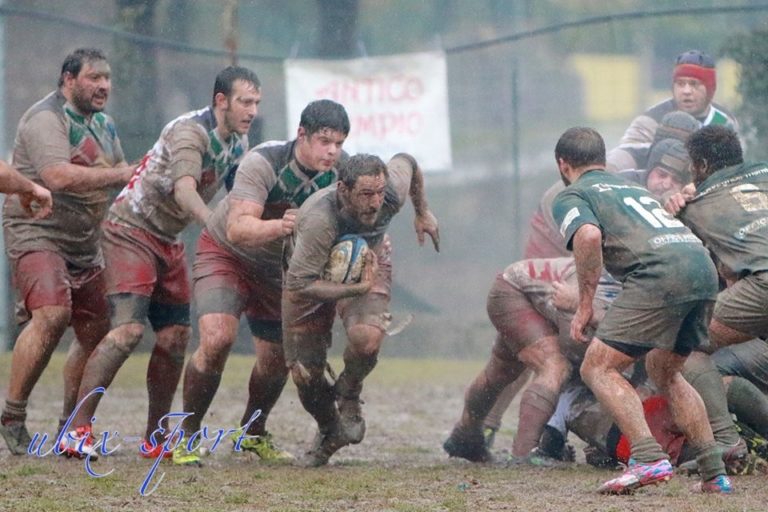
(467, 445)
(79, 444)
(756, 443)
(537, 458)
(596, 457)
(262, 445)
(183, 456)
(489, 433)
(721, 484)
(552, 444)
(351, 419)
(327, 442)
(350, 410)
(16, 437)
(147, 451)
(638, 475)
(736, 459)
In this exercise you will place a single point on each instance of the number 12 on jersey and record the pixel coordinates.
(652, 212)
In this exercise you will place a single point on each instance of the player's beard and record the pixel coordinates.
(231, 123)
(83, 103)
(565, 180)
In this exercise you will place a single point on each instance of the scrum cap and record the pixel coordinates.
(698, 65)
(671, 156)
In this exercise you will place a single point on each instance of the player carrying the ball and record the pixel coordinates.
(366, 198)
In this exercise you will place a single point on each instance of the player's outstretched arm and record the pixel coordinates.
(67, 177)
(36, 200)
(186, 196)
(425, 221)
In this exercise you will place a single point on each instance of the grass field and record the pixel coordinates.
(400, 466)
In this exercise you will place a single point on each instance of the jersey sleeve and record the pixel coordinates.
(187, 145)
(640, 132)
(45, 137)
(118, 154)
(400, 171)
(254, 179)
(571, 211)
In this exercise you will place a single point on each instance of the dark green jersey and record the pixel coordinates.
(658, 260)
(730, 214)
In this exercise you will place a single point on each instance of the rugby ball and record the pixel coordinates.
(345, 263)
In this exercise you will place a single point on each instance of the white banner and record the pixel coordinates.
(395, 104)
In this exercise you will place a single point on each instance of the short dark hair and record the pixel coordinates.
(358, 165)
(580, 146)
(226, 78)
(322, 114)
(718, 145)
(73, 63)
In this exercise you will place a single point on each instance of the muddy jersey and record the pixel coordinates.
(320, 223)
(534, 278)
(270, 176)
(544, 238)
(658, 260)
(188, 146)
(730, 214)
(638, 137)
(53, 132)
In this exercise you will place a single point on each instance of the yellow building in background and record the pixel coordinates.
(612, 86)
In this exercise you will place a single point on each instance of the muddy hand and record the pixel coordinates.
(289, 221)
(427, 223)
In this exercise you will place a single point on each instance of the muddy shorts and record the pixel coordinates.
(748, 360)
(307, 324)
(147, 278)
(517, 322)
(43, 278)
(744, 306)
(222, 284)
(520, 305)
(679, 328)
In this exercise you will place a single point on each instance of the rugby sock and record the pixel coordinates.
(199, 390)
(536, 406)
(647, 450)
(103, 365)
(710, 461)
(15, 411)
(263, 392)
(493, 419)
(703, 376)
(749, 405)
(356, 368)
(483, 392)
(317, 396)
(163, 376)
(62, 423)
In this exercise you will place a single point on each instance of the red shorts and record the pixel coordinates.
(517, 322)
(223, 284)
(43, 279)
(141, 264)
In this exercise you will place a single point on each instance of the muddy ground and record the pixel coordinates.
(400, 466)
